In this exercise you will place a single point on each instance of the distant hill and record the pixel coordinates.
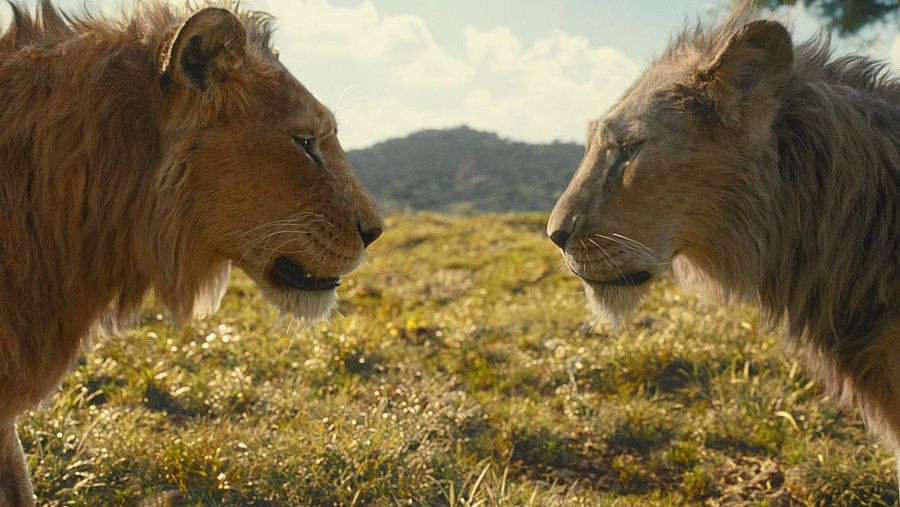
(461, 170)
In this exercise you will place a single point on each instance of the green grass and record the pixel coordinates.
(462, 370)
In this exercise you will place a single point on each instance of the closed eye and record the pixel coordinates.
(308, 145)
(629, 151)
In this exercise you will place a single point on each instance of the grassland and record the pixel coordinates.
(462, 370)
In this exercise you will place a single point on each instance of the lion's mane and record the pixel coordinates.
(92, 207)
(815, 221)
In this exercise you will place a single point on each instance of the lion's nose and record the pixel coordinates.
(369, 235)
(560, 238)
(562, 226)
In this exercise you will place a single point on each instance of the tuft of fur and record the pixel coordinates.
(311, 306)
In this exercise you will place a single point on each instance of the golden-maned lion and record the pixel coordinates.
(149, 153)
(762, 170)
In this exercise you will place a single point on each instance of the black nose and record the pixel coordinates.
(560, 238)
(370, 235)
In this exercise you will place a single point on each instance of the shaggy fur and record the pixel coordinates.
(148, 153)
(760, 170)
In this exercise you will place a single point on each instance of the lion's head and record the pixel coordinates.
(664, 165)
(257, 156)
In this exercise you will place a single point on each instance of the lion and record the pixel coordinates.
(757, 169)
(149, 154)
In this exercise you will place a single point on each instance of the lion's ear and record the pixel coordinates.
(758, 56)
(205, 49)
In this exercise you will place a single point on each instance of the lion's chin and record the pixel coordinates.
(308, 305)
(613, 303)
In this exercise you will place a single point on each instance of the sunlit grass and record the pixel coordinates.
(462, 370)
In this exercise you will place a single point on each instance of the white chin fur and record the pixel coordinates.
(613, 303)
(308, 305)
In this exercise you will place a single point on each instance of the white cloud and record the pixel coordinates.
(547, 90)
(357, 33)
(433, 67)
(385, 75)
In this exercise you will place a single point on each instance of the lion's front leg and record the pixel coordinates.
(15, 486)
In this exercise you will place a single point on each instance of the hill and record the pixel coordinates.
(466, 170)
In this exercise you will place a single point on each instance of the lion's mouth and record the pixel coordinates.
(292, 274)
(630, 279)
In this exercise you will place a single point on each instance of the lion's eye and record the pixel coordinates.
(618, 158)
(629, 151)
(308, 145)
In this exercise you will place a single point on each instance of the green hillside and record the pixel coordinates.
(466, 170)
(462, 370)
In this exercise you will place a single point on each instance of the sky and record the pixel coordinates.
(530, 70)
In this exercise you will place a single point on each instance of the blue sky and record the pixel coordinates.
(532, 70)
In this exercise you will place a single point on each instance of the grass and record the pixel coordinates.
(462, 370)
